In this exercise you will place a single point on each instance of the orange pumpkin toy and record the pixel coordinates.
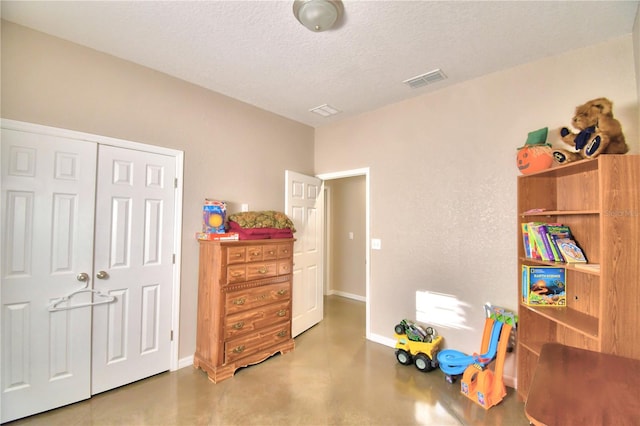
(536, 154)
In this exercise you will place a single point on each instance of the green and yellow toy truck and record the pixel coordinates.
(416, 345)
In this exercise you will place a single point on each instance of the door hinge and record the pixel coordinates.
(175, 182)
(173, 259)
(172, 335)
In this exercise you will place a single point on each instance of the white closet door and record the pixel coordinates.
(48, 186)
(133, 262)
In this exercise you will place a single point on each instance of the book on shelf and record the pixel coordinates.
(544, 286)
(557, 256)
(525, 240)
(542, 242)
(531, 249)
(539, 232)
(570, 251)
(557, 231)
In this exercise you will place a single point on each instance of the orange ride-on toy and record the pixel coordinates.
(479, 383)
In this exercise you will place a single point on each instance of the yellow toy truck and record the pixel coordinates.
(417, 345)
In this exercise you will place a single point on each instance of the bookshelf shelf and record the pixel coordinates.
(587, 268)
(534, 346)
(570, 318)
(549, 213)
(599, 200)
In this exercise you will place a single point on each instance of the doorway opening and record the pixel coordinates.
(349, 238)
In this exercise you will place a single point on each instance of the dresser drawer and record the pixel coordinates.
(256, 271)
(236, 255)
(254, 253)
(255, 319)
(255, 342)
(236, 273)
(270, 252)
(267, 252)
(244, 300)
(284, 267)
(284, 250)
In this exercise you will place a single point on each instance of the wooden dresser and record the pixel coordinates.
(244, 304)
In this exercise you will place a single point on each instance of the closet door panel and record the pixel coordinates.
(48, 193)
(134, 250)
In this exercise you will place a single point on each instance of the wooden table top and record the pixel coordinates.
(578, 387)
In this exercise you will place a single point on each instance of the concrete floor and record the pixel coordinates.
(333, 377)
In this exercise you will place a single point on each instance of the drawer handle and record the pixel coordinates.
(255, 253)
(238, 254)
(282, 292)
(285, 251)
(236, 274)
(285, 268)
(283, 333)
(261, 297)
(238, 325)
(281, 312)
(238, 349)
(272, 252)
(239, 301)
(263, 270)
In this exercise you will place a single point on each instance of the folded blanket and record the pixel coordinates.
(259, 233)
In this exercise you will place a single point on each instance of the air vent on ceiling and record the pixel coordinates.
(424, 79)
(325, 110)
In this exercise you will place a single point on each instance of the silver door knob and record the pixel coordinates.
(102, 275)
(82, 276)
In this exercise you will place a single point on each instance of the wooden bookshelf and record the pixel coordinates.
(600, 200)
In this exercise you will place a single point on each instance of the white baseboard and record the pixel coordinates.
(185, 362)
(347, 295)
(377, 338)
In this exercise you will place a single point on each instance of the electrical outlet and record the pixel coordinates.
(376, 244)
(244, 207)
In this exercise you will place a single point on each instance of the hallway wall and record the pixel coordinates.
(347, 260)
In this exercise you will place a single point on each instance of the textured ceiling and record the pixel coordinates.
(257, 52)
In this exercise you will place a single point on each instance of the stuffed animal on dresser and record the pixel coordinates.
(599, 133)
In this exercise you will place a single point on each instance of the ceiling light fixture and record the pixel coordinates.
(318, 15)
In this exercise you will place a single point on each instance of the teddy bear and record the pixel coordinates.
(599, 133)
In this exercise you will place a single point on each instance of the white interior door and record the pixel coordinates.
(304, 198)
(48, 186)
(133, 262)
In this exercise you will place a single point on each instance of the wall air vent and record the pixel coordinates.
(325, 110)
(424, 79)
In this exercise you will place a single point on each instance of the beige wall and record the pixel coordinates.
(346, 198)
(636, 54)
(443, 179)
(233, 151)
